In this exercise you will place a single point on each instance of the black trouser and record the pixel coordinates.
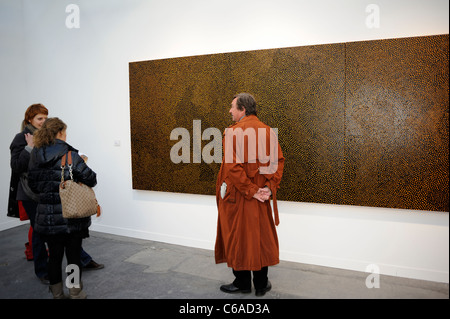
(56, 246)
(244, 278)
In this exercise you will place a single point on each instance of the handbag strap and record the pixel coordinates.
(63, 161)
(69, 164)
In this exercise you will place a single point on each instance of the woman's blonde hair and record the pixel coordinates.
(46, 135)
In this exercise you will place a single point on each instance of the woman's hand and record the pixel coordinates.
(29, 139)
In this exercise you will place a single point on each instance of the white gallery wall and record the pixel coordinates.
(80, 72)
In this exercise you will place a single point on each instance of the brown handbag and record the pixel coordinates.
(77, 199)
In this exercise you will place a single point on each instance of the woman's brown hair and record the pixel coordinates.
(46, 135)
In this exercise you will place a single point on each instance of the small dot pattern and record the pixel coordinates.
(360, 123)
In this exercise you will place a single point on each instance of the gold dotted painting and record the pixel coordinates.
(360, 123)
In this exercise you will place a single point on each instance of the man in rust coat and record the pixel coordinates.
(250, 174)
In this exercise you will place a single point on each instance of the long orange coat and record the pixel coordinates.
(246, 234)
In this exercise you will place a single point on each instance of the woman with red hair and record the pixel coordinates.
(22, 201)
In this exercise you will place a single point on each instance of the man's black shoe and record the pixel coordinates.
(231, 289)
(262, 292)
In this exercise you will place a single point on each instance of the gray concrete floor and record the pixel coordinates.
(141, 269)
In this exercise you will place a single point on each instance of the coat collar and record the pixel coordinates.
(244, 119)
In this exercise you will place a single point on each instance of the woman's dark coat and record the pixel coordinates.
(20, 157)
(44, 177)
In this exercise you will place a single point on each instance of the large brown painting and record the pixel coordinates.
(360, 123)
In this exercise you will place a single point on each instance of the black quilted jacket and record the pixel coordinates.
(44, 177)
